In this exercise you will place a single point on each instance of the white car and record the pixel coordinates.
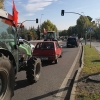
(32, 46)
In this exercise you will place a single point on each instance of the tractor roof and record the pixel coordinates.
(4, 14)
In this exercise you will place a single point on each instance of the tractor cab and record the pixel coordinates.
(50, 36)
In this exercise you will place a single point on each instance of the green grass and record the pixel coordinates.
(88, 96)
(91, 60)
(86, 90)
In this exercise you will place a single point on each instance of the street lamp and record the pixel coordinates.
(41, 19)
(40, 24)
(86, 27)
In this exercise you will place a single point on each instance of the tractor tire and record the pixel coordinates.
(7, 79)
(33, 70)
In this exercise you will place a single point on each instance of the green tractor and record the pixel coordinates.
(14, 57)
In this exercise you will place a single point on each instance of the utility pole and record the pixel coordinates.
(86, 28)
(40, 24)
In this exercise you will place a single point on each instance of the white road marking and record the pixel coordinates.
(63, 85)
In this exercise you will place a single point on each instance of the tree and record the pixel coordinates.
(63, 33)
(33, 33)
(82, 24)
(72, 31)
(90, 19)
(49, 26)
(2, 4)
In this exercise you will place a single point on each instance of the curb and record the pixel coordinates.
(73, 92)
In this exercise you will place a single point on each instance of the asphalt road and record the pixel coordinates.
(53, 77)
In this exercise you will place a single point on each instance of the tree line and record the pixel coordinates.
(35, 33)
(81, 29)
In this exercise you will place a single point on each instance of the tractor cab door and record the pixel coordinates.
(8, 37)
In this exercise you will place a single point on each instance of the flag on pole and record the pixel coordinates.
(44, 31)
(15, 13)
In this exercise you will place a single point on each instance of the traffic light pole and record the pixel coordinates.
(29, 20)
(74, 13)
(21, 26)
(62, 14)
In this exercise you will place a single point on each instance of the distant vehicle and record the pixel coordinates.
(27, 43)
(48, 50)
(72, 41)
(50, 35)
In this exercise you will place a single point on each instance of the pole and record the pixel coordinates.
(85, 21)
(90, 39)
(85, 38)
(28, 20)
(40, 25)
(74, 13)
(86, 28)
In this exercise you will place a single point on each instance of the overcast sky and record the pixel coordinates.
(51, 10)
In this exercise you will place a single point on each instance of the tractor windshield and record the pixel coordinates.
(50, 35)
(7, 34)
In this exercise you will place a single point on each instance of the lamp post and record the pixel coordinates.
(86, 28)
(40, 20)
(40, 24)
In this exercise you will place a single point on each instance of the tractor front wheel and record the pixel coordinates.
(33, 70)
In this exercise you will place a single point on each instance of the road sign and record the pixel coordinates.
(90, 29)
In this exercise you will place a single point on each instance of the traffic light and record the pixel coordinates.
(62, 12)
(36, 20)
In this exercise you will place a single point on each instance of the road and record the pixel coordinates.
(54, 82)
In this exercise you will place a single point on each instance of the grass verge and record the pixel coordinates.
(86, 89)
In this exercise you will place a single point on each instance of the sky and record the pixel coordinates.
(51, 10)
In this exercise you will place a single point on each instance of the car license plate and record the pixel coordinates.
(44, 58)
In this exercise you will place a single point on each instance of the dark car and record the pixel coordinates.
(48, 50)
(72, 41)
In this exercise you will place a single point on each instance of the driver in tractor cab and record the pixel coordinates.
(50, 35)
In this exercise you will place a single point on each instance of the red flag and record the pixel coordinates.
(15, 13)
(44, 31)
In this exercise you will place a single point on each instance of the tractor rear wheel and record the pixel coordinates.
(7, 78)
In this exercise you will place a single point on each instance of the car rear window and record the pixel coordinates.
(71, 39)
(45, 45)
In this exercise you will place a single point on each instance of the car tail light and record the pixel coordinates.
(53, 54)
